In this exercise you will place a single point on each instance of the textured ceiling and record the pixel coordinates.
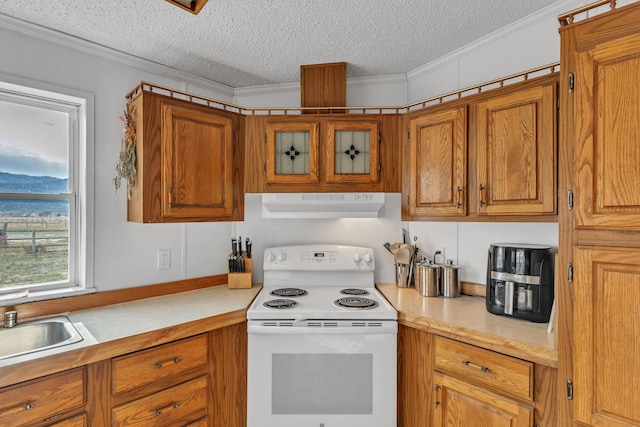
(256, 42)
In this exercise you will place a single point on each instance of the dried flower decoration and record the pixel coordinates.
(126, 165)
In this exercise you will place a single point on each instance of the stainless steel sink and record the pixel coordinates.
(38, 335)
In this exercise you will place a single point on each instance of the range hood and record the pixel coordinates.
(322, 205)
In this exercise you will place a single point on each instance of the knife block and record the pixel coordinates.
(241, 280)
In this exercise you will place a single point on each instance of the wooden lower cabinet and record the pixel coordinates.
(77, 421)
(194, 382)
(44, 401)
(444, 382)
(178, 405)
(459, 403)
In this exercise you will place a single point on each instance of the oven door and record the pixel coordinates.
(328, 376)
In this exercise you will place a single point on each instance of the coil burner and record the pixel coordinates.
(280, 303)
(288, 292)
(357, 303)
(354, 291)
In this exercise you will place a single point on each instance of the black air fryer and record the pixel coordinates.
(520, 281)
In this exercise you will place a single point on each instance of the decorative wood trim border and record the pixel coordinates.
(569, 17)
(100, 299)
(472, 90)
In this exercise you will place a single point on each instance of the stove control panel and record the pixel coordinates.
(319, 257)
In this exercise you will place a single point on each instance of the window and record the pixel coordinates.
(44, 204)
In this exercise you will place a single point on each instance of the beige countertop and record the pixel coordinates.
(118, 329)
(467, 319)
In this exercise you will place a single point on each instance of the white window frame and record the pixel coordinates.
(80, 105)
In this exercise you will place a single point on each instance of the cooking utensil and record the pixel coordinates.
(387, 246)
(234, 246)
(403, 256)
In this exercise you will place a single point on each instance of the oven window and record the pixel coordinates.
(305, 384)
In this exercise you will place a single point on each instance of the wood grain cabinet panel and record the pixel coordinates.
(504, 373)
(607, 130)
(188, 167)
(516, 152)
(159, 363)
(197, 168)
(174, 406)
(459, 403)
(600, 236)
(77, 421)
(438, 164)
(45, 399)
(606, 350)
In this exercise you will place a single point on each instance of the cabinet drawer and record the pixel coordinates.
(77, 421)
(202, 422)
(42, 399)
(167, 407)
(508, 374)
(155, 364)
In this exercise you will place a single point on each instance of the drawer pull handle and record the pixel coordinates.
(482, 368)
(167, 362)
(436, 404)
(17, 409)
(158, 412)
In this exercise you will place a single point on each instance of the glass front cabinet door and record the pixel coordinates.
(292, 152)
(352, 152)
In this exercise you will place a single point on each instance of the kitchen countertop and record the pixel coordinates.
(466, 319)
(118, 329)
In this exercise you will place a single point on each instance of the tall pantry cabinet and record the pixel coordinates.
(599, 341)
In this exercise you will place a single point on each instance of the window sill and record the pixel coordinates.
(15, 298)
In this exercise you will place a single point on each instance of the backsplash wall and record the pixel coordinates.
(464, 242)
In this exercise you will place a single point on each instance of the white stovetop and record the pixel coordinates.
(319, 304)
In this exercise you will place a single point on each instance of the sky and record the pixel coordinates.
(33, 140)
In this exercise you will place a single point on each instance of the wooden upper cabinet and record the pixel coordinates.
(516, 153)
(605, 340)
(188, 165)
(292, 152)
(352, 152)
(197, 169)
(438, 163)
(605, 65)
(323, 85)
(323, 153)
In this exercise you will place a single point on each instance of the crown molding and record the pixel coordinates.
(108, 53)
(551, 11)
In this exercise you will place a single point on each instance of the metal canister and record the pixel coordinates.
(426, 278)
(451, 280)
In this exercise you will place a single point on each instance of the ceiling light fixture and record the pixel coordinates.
(193, 6)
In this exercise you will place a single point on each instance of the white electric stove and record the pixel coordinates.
(322, 341)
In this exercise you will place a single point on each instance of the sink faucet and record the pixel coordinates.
(10, 319)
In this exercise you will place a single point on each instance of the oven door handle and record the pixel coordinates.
(386, 327)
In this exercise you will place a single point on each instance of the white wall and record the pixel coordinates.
(125, 253)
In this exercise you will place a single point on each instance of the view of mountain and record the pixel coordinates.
(15, 183)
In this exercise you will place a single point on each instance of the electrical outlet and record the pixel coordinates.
(164, 259)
